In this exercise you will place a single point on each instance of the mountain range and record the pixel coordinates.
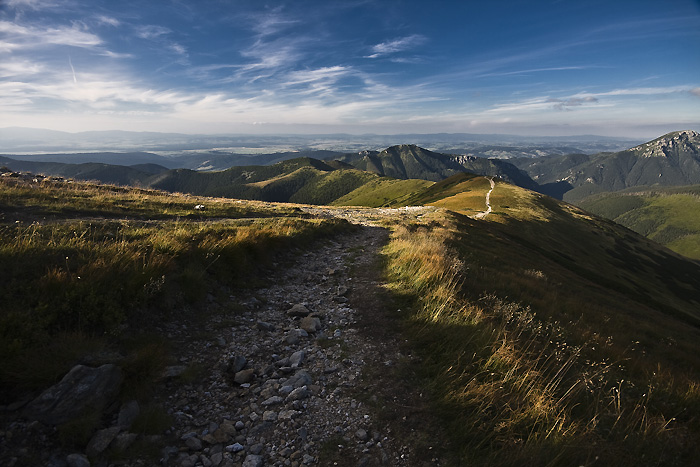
(670, 160)
(399, 174)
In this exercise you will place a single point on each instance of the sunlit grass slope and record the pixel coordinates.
(667, 215)
(85, 264)
(465, 192)
(383, 192)
(302, 180)
(550, 337)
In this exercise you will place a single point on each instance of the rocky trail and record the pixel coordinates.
(483, 214)
(309, 369)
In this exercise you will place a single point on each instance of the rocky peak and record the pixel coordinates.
(685, 141)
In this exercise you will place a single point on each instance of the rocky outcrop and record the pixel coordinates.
(82, 389)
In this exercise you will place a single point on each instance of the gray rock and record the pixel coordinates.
(101, 440)
(236, 364)
(288, 414)
(194, 443)
(342, 290)
(292, 339)
(298, 394)
(274, 400)
(185, 460)
(310, 324)
(235, 447)
(300, 378)
(269, 416)
(264, 326)
(128, 412)
(228, 427)
(173, 371)
(81, 389)
(256, 449)
(297, 358)
(244, 376)
(216, 458)
(298, 311)
(362, 435)
(168, 452)
(253, 460)
(77, 460)
(239, 425)
(123, 441)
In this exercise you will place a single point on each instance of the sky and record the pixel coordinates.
(530, 67)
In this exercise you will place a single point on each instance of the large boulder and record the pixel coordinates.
(82, 389)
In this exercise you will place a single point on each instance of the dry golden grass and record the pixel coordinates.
(517, 388)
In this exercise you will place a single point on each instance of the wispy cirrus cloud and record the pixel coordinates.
(17, 36)
(160, 35)
(584, 99)
(108, 20)
(271, 22)
(648, 91)
(567, 104)
(397, 45)
(151, 31)
(536, 70)
(35, 4)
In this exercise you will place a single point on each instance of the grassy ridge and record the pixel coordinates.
(382, 192)
(532, 363)
(670, 216)
(70, 280)
(302, 180)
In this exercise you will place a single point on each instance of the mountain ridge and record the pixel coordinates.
(671, 159)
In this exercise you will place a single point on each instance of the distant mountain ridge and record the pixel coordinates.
(408, 161)
(302, 179)
(670, 160)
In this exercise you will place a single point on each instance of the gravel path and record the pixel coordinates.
(307, 375)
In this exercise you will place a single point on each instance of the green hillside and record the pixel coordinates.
(595, 249)
(302, 180)
(408, 161)
(104, 173)
(405, 161)
(669, 216)
(550, 336)
(383, 192)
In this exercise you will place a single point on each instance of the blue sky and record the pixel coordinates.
(559, 67)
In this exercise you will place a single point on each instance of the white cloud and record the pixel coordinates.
(637, 91)
(108, 20)
(151, 31)
(19, 68)
(158, 34)
(566, 104)
(695, 91)
(35, 4)
(22, 37)
(397, 45)
(270, 22)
